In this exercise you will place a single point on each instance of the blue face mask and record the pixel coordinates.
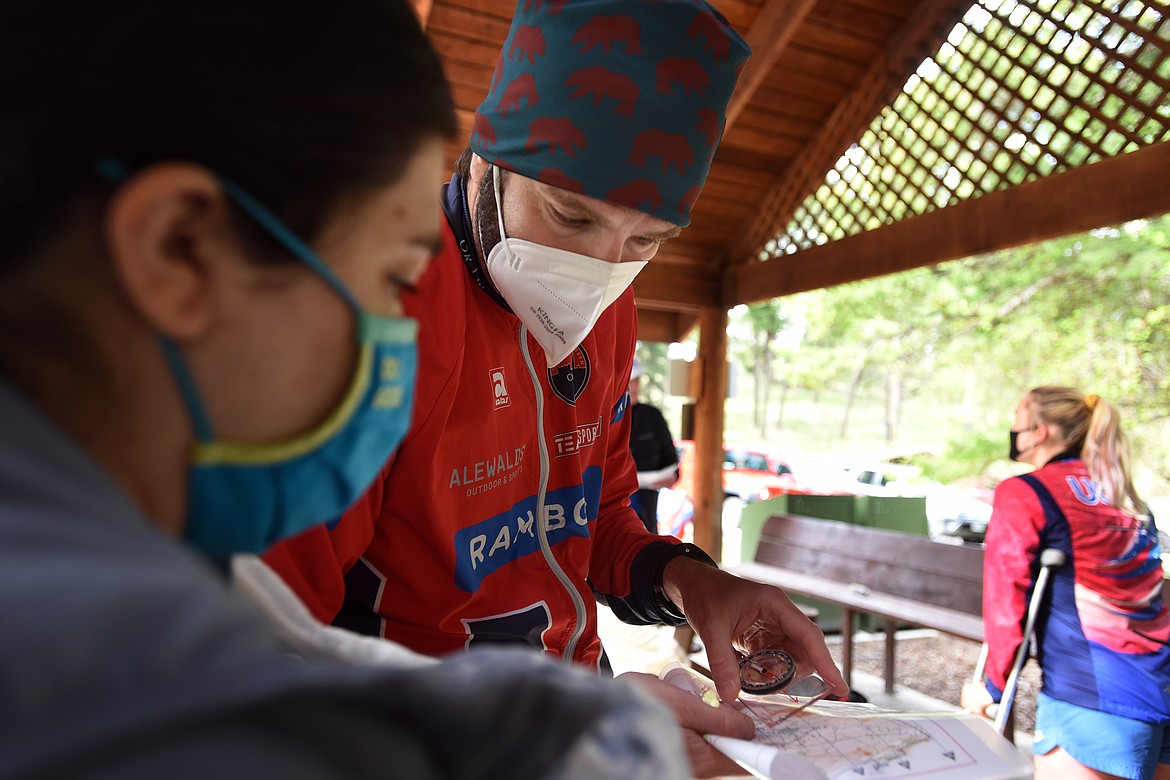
(246, 497)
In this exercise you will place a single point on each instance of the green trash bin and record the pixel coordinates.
(898, 513)
(751, 523)
(847, 509)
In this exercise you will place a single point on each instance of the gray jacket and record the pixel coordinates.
(125, 655)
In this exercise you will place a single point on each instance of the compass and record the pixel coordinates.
(766, 671)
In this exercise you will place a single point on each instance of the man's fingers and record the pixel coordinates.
(694, 713)
(817, 656)
(805, 642)
(724, 668)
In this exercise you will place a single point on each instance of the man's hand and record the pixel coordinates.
(697, 718)
(729, 613)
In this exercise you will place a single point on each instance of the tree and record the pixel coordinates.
(960, 342)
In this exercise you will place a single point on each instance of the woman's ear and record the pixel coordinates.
(1041, 433)
(167, 229)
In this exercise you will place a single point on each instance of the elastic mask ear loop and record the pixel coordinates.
(199, 419)
(288, 239)
(115, 172)
(499, 203)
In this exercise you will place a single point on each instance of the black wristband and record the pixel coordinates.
(661, 601)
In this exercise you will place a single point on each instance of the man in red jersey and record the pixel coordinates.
(505, 513)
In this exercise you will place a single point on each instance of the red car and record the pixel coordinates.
(748, 475)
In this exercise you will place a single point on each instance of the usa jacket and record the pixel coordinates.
(505, 512)
(1102, 630)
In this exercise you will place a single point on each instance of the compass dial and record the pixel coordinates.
(766, 671)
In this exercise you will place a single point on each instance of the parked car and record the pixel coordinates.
(748, 476)
(958, 513)
(883, 479)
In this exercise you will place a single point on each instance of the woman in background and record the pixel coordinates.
(207, 213)
(1101, 634)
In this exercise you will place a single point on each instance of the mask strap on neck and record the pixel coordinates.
(199, 418)
(499, 203)
(115, 172)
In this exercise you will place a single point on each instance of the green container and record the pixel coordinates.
(751, 523)
(847, 509)
(898, 513)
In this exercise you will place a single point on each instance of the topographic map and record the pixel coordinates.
(845, 741)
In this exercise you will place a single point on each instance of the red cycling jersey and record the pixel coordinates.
(448, 548)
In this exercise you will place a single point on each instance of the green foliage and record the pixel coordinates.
(943, 354)
(656, 364)
(963, 457)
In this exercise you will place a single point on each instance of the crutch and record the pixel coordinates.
(1050, 559)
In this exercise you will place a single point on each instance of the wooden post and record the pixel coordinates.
(712, 390)
(891, 648)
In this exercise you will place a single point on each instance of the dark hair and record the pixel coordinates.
(463, 163)
(303, 102)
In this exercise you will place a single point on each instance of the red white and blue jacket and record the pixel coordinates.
(1102, 629)
(505, 513)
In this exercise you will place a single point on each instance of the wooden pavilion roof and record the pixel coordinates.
(873, 136)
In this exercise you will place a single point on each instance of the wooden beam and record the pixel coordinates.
(677, 288)
(708, 478)
(922, 34)
(659, 326)
(422, 9)
(1131, 186)
(769, 36)
(665, 327)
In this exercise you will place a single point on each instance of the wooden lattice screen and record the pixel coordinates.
(1020, 90)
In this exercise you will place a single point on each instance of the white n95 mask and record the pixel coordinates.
(557, 294)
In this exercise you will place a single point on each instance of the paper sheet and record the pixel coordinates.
(849, 741)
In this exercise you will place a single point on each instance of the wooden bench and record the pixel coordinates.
(900, 577)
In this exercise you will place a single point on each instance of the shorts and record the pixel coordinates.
(1108, 743)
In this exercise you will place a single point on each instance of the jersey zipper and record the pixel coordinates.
(541, 514)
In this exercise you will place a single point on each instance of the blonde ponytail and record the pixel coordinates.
(1106, 455)
(1092, 427)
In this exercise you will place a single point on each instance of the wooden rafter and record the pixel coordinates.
(677, 287)
(1131, 186)
(664, 326)
(920, 37)
(768, 37)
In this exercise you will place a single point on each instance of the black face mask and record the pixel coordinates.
(1014, 451)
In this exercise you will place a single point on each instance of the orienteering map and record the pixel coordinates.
(847, 741)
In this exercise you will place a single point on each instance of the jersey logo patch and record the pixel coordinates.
(568, 380)
(577, 439)
(620, 408)
(500, 395)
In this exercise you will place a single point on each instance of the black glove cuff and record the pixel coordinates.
(661, 601)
